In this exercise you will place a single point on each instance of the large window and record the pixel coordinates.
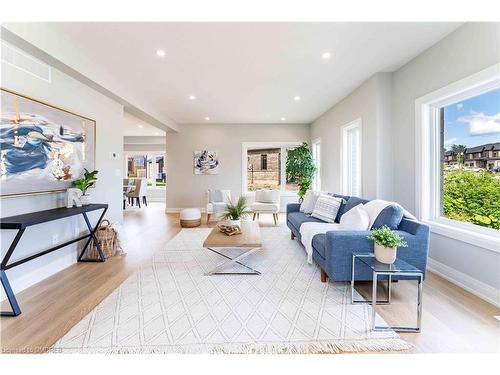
(351, 158)
(457, 163)
(265, 167)
(470, 178)
(316, 153)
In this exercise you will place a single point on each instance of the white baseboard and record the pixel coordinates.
(474, 286)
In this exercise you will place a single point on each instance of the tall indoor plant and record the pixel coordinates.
(300, 167)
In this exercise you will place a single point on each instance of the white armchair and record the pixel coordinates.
(266, 202)
(216, 201)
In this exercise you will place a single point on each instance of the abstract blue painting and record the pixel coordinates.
(42, 148)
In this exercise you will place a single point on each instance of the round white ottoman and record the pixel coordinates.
(190, 217)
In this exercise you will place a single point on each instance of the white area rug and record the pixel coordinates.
(169, 306)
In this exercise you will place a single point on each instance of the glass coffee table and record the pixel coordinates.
(398, 268)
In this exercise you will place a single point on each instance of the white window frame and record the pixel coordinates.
(428, 159)
(245, 146)
(316, 185)
(344, 179)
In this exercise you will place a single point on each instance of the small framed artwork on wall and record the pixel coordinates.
(43, 148)
(205, 162)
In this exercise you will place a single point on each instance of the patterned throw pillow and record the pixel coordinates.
(345, 198)
(326, 208)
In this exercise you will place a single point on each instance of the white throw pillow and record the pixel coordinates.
(312, 202)
(306, 201)
(355, 219)
(326, 208)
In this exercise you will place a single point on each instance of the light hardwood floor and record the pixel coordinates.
(453, 319)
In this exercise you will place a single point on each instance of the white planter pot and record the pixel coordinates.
(233, 222)
(385, 255)
(85, 199)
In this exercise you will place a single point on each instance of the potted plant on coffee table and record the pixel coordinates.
(86, 182)
(386, 243)
(235, 212)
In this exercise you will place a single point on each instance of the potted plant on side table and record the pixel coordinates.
(86, 182)
(235, 212)
(386, 243)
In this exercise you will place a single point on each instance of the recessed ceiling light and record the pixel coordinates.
(140, 126)
(297, 98)
(326, 55)
(192, 97)
(207, 118)
(160, 52)
(283, 119)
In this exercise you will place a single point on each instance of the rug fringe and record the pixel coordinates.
(319, 347)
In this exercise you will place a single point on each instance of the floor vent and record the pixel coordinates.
(25, 62)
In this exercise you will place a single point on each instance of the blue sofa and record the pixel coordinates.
(332, 251)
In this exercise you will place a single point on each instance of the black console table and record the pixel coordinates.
(21, 222)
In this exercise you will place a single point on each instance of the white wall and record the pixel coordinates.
(144, 143)
(371, 103)
(184, 189)
(67, 93)
(471, 48)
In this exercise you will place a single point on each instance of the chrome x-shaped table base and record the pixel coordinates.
(217, 270)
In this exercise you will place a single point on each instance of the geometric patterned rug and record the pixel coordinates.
(170, 306)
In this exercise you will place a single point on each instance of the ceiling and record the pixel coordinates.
(135, 127)
(249, 72)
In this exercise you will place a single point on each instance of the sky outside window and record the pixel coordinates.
(473, 122)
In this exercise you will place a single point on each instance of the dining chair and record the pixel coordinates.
(139, 192)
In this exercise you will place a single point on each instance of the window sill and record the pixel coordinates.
(478, 236)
